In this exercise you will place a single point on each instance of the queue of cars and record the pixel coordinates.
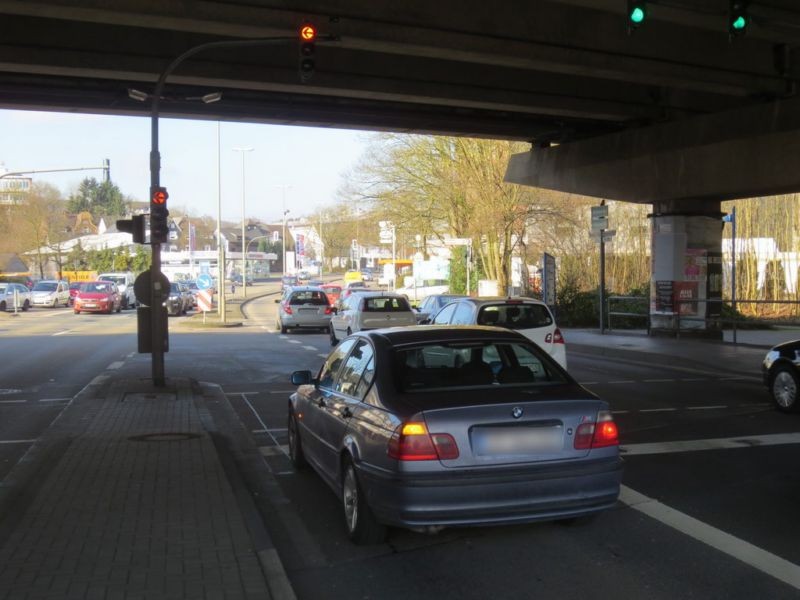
(468, 419)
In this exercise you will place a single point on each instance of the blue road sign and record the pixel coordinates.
(204, 281)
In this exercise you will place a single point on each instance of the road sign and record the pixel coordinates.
(599, 217)
(608, 235)
(204, 281)
(141, 288)
(204, 300)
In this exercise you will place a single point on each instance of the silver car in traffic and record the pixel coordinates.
(427, 427)
(303, 307)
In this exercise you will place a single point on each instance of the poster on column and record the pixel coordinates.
(695, 272)
(686, 298)
(662, 295)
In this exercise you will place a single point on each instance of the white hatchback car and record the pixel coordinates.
(14, 296)
(50, 293)
(370, 310)
(529, 317)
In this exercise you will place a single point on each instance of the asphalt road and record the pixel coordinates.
(720, 522)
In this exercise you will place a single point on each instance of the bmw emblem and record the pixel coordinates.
(516, 412)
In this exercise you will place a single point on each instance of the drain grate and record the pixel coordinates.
(168, 436)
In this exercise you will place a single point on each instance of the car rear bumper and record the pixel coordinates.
(493, 497)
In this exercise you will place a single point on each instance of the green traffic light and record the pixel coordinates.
(637, 15)
(739, 23)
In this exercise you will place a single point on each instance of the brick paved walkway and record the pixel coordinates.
(116, 516)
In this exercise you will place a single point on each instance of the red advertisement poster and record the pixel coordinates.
(684, 292)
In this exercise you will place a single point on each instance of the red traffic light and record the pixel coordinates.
(308, 33)
(160, 196)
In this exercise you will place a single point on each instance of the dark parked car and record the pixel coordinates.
(781, 375)
(430, 305)
(179, 300)
(427, 427)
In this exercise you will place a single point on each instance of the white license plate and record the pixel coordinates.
(493, 441)
(90, 305)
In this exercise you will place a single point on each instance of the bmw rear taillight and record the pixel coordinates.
(557, 337)
(287, 309)
(411, 441)
(597, 434)
(328, 310)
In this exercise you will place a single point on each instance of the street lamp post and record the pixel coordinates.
(221, 308)
(283, 235)
(243, 150)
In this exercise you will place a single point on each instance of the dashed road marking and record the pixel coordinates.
(280, 450)
(266, 429)
(115, 365)
(622, 381)
(7, 391)
(66, 331)
(652, 410)
(754, 441)
(717, 407)
(294, 341)
(312, 348)
(54, 399)
(760, 559)
(659, 380)
(12, 401)
(17, 441)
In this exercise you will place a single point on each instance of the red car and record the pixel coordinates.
(97, 296)
(332, 291)
(73, 291)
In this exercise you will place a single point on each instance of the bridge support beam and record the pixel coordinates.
(686, 275)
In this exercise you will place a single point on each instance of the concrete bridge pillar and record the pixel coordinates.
(686, 255)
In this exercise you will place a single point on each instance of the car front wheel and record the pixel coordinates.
(362, 527)
(295, 444)
(784, 388)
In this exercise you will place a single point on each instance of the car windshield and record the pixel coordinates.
(458, 365)
(515, 316)
(174, 288)
(96, 287)
(115, 278)
(45, 286)
(385, 304)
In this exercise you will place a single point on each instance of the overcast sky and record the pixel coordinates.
(310, 160)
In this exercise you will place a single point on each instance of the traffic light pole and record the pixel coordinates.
(157, 322)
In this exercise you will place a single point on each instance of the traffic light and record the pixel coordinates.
(637, 13)
(308, 35)
(137, 227)
(738, 19)
(159, 227)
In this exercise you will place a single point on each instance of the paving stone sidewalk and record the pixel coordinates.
(125, 497)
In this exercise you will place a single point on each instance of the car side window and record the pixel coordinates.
(463, 315)
(444, 315)
(354, 369)
(327, 374)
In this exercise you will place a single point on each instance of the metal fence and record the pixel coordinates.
(614, 308)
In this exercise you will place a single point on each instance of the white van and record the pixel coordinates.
(124, 283)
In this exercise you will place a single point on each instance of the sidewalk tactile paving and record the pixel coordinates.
(120, 518)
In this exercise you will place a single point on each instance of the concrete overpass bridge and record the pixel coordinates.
(677, 113)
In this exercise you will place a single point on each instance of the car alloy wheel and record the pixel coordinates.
(362, 527)
(295, 445)
(784, 389)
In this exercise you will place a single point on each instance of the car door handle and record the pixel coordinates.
(346, 413)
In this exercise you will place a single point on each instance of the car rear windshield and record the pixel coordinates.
(118, 279)
(313, 298)
(515, 316)
(458, 365)
(384, 304)
(333, 289)
(45, 286)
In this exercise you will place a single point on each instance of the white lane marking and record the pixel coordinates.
(295, 342)
(322, 355)
(696, 379)
(274, 450)
(751, 555)
(115, 365)
(754, 441)
(268, 430)
(658, 380)
(283, 337)
(623, 381)
(707, 407)
(131, 355)
(263, 425)
(62, 332)
(312, 348)
(12, 401)
(17, 441)
(54, 399)
(649, 410)
(6, 391)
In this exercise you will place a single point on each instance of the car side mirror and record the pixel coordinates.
(302, 378)
(425, 322)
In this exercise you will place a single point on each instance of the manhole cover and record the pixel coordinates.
(170, 436)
